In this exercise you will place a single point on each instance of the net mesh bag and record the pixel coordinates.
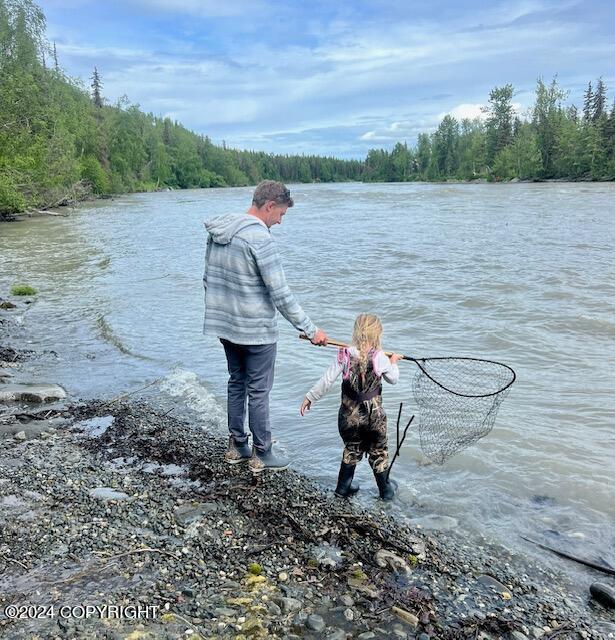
(458, 400)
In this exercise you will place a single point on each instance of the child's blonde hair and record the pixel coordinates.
(366, 334)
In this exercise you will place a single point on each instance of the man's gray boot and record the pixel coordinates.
(386, 487)
(267, 461)
(237, 453)
(345, 488)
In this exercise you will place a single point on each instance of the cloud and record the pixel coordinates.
(469, 111)
(343, 76)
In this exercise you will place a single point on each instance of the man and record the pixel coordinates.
(244, 286)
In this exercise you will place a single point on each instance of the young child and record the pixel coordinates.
(362, 421)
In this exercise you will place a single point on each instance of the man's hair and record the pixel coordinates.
(270, 190)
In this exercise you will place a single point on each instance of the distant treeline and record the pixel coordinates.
(553, 141)
(61, 141)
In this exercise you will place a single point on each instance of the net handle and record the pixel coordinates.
(336, 343)
(418, 361)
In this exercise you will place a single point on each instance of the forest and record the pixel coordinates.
(61, 141)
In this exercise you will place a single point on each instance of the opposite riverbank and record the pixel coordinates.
(114, 503)
(64, 208)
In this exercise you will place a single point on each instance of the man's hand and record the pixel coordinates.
(394, 357)
(306, 405)
(320, 338)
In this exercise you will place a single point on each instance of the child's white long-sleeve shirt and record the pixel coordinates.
(382, 367)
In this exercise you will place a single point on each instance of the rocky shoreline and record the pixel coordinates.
(118, 520)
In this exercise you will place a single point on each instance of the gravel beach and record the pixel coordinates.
(119, 520)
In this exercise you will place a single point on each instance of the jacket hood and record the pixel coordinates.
(222, 229)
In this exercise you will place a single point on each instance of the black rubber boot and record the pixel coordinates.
(345, 488)
(386, 487)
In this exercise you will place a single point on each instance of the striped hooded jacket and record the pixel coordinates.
(244, 283)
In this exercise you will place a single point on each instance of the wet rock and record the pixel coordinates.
(300, 619)
(517, 635)
(336, 634)
(107, 493)
(94, 427)
(31, 428)
(346, 600)
(31, 392)
(367, 635)
(604, 594)
(188, 513)
(494, 585)
(289, 605)
(386, 558)
(398, 632)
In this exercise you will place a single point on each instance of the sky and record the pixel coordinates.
(329, 78)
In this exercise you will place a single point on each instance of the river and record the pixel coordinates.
(518, 273)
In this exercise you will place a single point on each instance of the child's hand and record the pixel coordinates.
(395, 357)
(305, 406)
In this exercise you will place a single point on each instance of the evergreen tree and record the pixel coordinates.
(445, 146)
(96, 87)
(599, 101)
(588, 103)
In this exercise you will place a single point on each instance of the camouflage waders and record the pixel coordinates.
(362, 421)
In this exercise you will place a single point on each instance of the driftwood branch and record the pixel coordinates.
(21, 564)
(569, 556)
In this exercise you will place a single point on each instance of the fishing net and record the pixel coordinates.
(458, 400)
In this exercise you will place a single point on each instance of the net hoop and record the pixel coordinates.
(503, 366)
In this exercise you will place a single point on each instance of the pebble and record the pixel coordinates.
(336, 634)
(517, 635)
(289, 605)
(349, 615)
(315, 622)
(406, 616)
(398, 631)
(300, 619)
(346, 600)
(107, 493)
(367, 635)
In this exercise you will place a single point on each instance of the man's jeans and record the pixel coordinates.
(250, 370)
